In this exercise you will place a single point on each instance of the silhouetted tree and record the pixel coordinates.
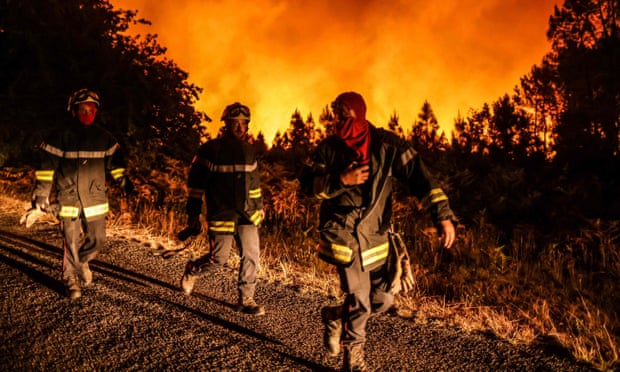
(300, 134)
(327, 121)
(425, 135)
(586, 51)
(471, 135)
(260, 144)
(538, 91)
(51, 48)
(510, 135)
(394, 125)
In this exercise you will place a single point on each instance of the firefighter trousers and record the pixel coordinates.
(82, 242)
(247, 241)
(366, 293)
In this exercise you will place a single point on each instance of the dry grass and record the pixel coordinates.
(561, 291)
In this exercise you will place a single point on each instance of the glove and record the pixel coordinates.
(188, 232)
(399, 274)
(193, 229)
(406, 280)
(40, 202)
(126, 185)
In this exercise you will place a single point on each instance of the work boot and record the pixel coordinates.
(354, 359)
(332, 320)
(188, 280)
(247, 305)
(87, 275)
(72, 287)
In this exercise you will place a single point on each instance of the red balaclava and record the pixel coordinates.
(355, 130)
(87, 118)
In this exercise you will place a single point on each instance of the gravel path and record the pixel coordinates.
(135, 318)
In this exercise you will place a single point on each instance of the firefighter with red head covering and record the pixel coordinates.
(352, 173)
(224, 172)
(75, 163)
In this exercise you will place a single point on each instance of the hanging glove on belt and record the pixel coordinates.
(400, 276)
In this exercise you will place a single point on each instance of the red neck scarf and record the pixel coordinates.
(355, 131)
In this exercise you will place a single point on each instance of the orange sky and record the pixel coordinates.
(279, 55)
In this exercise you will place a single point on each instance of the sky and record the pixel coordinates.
(277, 56)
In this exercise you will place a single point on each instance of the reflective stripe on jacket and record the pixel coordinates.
(74, 162)
(354, 220)
(225, 171)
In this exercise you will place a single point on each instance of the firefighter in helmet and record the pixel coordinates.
(225, 173)
(74, 164)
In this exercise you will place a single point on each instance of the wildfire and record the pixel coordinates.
(278, 56)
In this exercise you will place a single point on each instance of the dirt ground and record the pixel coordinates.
(135, 318)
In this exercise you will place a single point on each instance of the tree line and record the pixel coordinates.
(545, 153)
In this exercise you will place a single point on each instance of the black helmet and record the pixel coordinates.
(236, 111)
(83, 96)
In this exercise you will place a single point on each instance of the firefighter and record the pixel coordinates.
(225, 172)
(74, 163)
(352, 172)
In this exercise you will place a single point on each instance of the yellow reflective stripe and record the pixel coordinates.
(195, 193)
(255, 193)
(96, 210)
(340, 253)
(256, 218)
(117, 173)
(375, 254)
(434, 196)
(44, 175)
(222, 226)
(69, 211)
(226, 168)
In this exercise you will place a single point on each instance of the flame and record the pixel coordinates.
(277, 56)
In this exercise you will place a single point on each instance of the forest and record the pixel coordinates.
(532, 176)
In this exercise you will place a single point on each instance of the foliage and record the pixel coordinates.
(586, 49)
(51, 48)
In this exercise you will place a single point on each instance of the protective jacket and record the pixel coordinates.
(225, 170)
(354, 220)
(75, 161)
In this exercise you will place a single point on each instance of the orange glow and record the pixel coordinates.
(277, 56)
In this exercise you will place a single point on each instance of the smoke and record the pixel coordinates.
(278, 56)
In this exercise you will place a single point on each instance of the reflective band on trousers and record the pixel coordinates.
(343, 254)
(44, 175)
(340, 253)
(222, 226)
(68, 211)
(96, 210)
(375, 254)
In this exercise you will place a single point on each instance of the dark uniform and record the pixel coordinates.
(354, 220)
(225, 172)
(75, 161)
